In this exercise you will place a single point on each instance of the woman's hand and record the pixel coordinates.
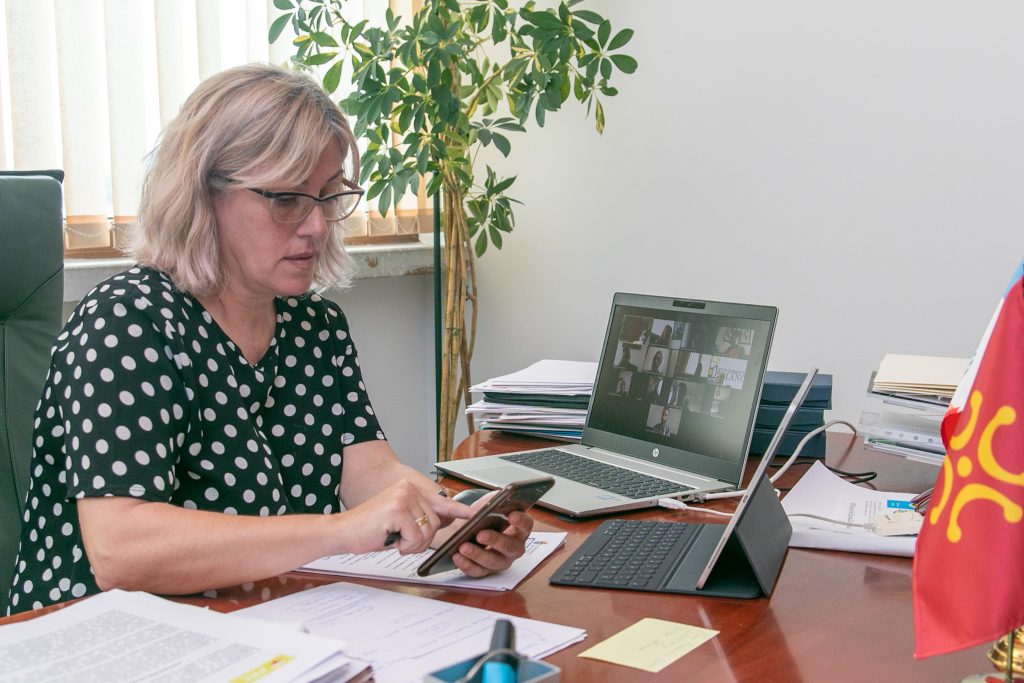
(495, 551)
(406, 513)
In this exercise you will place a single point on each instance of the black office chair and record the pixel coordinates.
(31, 315)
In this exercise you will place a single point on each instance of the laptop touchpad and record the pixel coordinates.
(502, 475)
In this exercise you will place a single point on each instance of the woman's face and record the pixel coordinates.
(263, 259)
(656, 362)
(664, 414)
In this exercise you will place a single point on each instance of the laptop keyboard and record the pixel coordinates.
(627, 554)
(598, 474)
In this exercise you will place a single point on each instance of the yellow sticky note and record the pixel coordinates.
(650, 644)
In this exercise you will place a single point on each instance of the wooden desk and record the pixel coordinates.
(833, 616)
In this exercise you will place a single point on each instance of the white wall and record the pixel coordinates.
(392, 324)
(857, 164)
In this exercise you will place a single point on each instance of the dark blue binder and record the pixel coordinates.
(780, 388)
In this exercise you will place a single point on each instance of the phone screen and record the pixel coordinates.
(517, 496)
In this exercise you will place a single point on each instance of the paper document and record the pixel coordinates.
(920, 374)
(404, 636)
(820, 492)
(650, 644)
(545, 376)
(122, 636)
(389, 565)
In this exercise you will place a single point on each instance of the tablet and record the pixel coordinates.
(519, 495)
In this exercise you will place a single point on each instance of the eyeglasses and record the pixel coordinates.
(293, 207)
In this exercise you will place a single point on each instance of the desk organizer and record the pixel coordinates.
(528, 671)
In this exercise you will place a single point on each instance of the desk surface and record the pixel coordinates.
(833, 616)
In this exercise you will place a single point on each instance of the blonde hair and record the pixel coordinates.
(249, 126)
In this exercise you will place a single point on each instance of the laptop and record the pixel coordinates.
(741, 559)
(671, 414)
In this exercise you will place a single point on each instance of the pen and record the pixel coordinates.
(501, 668)
(393, 536)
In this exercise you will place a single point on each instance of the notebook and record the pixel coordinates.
(671, 414)
(741, 559)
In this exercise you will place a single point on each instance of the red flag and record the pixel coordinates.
(969, 560)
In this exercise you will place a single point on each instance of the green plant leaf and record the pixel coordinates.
(588, 16)
(283, 4)
(495, 236)
(599, 115)
(278, 26)
(502, 143)
(384, 201)
(606, 68)
(621, 38)
(625, 63)
(333, 77)
(603, 32)
(322, 58)
(503, 185)
(324, 39)
(481, 244)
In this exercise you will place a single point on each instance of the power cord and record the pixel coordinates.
(700, 498)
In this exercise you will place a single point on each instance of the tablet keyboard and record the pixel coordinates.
(598, 474)
(627, 554)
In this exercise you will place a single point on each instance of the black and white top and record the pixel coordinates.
(147, 397)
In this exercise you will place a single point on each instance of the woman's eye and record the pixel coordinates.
(287, 201)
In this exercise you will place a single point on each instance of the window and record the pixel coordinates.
(88, 84)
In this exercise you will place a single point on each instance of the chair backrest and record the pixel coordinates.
(31, 313)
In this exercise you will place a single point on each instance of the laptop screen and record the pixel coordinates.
(678, 382)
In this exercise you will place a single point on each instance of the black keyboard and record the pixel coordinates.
(593, 473)
(627, 554)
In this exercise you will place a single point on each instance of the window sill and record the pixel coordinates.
(388, 260)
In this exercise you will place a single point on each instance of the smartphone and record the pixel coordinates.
(519, 495)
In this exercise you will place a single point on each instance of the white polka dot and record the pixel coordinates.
(137, 490)
(107, 375)
(78, 590)
(128, 363)
(211, 494)
(123, 433)
(98, 482)
(134, 330)
(142, 457)
(126, 398)
(119, 468)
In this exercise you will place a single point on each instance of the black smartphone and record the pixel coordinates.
(519, 495)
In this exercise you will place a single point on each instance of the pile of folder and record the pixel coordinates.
(776, 394)
(547, 399)
(907, 398)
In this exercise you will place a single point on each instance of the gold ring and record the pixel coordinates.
(422, 521)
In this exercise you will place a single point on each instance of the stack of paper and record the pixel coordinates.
(548, 399)
(907, 398)
(389, 565)
(117, 636)
(932, 378)
(405, 637)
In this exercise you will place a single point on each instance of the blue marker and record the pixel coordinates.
(501, 668)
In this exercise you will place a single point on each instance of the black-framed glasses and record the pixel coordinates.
(293, 207)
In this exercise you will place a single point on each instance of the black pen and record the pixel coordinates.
(393, 536)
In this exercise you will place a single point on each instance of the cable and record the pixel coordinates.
(833, 521)
(700, 498)
(673, 504)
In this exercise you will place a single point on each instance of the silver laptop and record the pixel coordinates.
(672, 412)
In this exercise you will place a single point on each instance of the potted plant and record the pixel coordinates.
(429, 91)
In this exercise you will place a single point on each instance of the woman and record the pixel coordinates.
(204, 417)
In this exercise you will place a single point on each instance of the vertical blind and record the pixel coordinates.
(88, 84)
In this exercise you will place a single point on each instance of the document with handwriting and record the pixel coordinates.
(390, 566)
(404, 637)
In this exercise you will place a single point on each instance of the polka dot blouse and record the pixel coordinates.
(147, 397)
